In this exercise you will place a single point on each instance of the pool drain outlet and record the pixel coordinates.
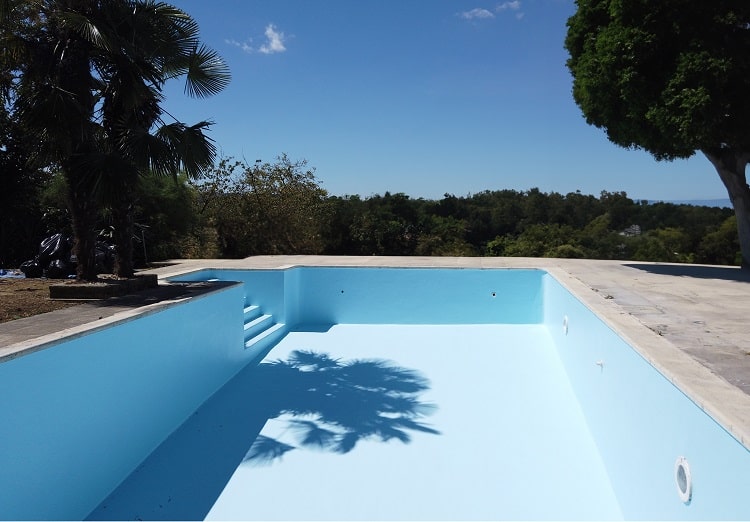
(683, 479)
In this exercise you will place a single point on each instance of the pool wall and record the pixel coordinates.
(642, 423)
(77, 417)
(311, 297)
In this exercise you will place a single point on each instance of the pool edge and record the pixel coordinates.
(696, 381)
(727, 404)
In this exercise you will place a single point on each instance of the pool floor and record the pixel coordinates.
(383, 422)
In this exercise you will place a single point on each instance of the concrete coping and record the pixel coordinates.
(46, 330)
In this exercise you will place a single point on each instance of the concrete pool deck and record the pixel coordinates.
(689, 321)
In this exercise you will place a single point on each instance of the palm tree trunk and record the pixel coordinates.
(83, 211)
(75, 79)
(731, 168)
(122, 219)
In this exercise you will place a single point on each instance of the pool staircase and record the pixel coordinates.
(261, 330)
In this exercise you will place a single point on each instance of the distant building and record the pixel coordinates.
(632, 230)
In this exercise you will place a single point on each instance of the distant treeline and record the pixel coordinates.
(241, 210)
(533, 224)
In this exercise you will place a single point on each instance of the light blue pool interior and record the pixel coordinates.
(381, 393)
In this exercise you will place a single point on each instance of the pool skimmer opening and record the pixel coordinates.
(683, 479)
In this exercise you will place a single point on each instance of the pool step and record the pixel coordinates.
(261, 330)
(257, 325)
(251, 312)
(264, 339)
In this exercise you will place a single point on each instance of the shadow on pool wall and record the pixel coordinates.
(642, 423)
(324, 403)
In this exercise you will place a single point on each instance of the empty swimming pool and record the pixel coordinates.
(405, 394)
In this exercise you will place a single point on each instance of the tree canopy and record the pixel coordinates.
(81, 89)
(670, 77)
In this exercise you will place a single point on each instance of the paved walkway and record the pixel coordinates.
(690, 321)
(31, 333)
(701, 310)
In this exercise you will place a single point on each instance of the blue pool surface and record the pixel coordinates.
(505, 421)
(495, 423)
(352, 394)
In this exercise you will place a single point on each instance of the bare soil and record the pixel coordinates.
(21, 298)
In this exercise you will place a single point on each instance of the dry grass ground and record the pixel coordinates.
(21, 298)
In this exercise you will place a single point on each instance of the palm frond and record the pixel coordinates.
(159, 31)
(207, 73)
(148, 152)
(182, 24)
(128, 103)
(191, 149)
(108, 172)
(85, 28)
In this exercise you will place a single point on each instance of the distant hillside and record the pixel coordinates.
(721, 203)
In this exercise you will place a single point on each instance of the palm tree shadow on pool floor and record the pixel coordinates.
(329, 404)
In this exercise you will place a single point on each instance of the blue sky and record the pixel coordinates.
(424, 97)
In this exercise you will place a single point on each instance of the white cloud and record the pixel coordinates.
(275, 41)
(513, 5)
(244, 46)
(475, 13)
(480, 13)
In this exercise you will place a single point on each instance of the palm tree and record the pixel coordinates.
(173, 147)
(161, 44)
(91, 91)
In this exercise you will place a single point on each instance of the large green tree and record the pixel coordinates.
(671, 77)
(264, 208)
(90, 89)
